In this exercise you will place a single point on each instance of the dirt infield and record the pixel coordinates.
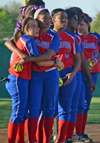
(92, 130)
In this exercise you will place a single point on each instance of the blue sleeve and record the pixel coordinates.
(82, 47)
(55, 44)
(32, 47)
(15, 31)
(98, 36)
(77, 45)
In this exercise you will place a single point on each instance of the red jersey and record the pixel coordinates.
(47, 41)
(28, 46)
(91, 48)
(67, 49)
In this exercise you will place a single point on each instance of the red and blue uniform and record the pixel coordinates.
(44, 78)
(43, 86)
(68, 48)
(91, 44)
(17, 85)
(75, 99)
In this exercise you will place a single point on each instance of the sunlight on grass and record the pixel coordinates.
(6, 105)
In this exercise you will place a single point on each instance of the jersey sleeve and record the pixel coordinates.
(76, 47)
(32, 47)
(15, 31)
(98, 36)
(55, 44)
(82, 47)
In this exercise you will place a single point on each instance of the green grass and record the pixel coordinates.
(94, 112)
(5, 111)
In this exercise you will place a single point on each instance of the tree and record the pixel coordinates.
(95, 25)
(9, 16)
(14, 9)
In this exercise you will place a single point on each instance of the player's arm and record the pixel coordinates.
(86, 71)
(44, 57)
(56, 63)
(10, 44)
(77, 63)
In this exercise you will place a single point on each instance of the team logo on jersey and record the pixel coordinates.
(64, 44)
(42, 44)
(89, 45)
(67, 54)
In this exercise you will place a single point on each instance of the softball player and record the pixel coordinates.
(91, 50)
(44, 80)
(20, 80)
(44, 40)
(67, 53)
(73, 25)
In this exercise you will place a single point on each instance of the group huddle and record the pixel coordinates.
(42, 44)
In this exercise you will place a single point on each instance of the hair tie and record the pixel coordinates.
(91, 19)
(20, 20)
(85, 17)
(34, 8)
(18, 26)
(41, 7)
(23, 11)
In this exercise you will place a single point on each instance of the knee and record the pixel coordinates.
(48, 113)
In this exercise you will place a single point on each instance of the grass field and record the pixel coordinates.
(5, 111)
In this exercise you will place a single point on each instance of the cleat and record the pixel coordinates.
(86, 138)
(79, 140)
(68, 141)
(75, 137)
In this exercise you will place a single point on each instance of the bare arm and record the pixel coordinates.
(44, 57)
(11, 46)
(77, 63)
(86, 71)
(51, 63)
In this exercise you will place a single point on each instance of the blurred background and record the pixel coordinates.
(9, 16)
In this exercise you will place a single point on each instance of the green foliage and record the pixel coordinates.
(9, 15)
(14, 9)
(6, 24)
(95, 25)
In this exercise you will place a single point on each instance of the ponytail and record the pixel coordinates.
(21, 28)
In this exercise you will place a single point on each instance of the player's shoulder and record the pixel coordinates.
(95, 34)
(52, 33)
(25, 39)
(71, 35)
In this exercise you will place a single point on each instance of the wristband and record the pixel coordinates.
(55, 61)
(96, 60)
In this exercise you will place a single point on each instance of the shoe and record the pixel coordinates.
(68, 141)
(79, 139)
(75, 137)
(87, 139)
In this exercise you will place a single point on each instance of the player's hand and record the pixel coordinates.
(60, 65)
(20, 62)
(70, 77)
(93, 87)
(23, 56)
(93, 62)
